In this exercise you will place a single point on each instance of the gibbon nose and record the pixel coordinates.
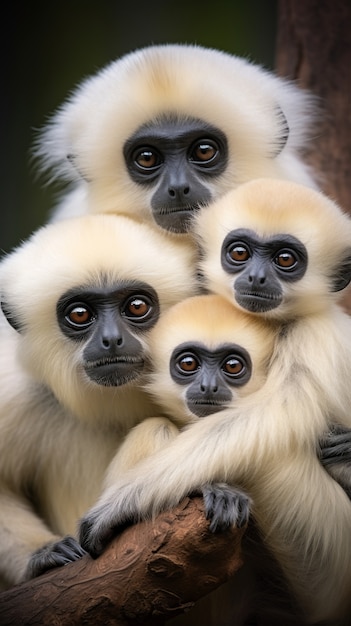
(209, 385)
(178, 192)
(257, 278)
(111, 341)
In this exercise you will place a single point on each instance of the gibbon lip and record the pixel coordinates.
(261, 296)
(257, 301)
(117, 360)
(114, 371)
(178, 209)
(202, 409)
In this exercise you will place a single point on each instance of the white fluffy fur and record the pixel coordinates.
(240, 98)
(59, 430)
(267, 442)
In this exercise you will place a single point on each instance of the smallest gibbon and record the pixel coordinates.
(216, 356)
(275, 237)
(81, 296)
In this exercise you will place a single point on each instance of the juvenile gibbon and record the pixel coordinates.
(205, 356)
(167, 128)
(81, 296)
(286, 250)
(233, 264)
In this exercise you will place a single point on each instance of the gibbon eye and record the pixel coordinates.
(137, 308)
(204, 151)
(234, 367)
(79, 316)
(238, 253)
(285, 259)
(187, 364)
(147, 158)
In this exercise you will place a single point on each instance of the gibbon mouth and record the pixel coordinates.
(257, 302)
(114, 371)
(176, 219)
(205, 408)
(114, 360)
(181, 208)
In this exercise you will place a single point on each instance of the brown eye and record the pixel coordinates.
(233, 366)
(147, 158)
(204, 151)
(80, 316)
(188, 363)
(285, 259)
(239, 253)
(138, 307)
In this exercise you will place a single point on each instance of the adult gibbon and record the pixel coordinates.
(81, 296)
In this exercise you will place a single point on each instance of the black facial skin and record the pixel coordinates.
(209, 374)
(176, 155)
(262, 265)
(108, 321)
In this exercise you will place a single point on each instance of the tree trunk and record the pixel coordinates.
(151, 572)
(314, 48)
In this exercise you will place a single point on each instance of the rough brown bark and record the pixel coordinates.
(146, 576)
(314, 48)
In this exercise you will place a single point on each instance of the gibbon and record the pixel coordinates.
(230, 270)
(167, 128)
(275, 236)
(216, 355)
(81, 297)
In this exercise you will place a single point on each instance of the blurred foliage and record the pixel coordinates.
(49, 47)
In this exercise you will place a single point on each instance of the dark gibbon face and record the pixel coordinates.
(175, 158)
(209, 375)
(260, 266)
(108, 323)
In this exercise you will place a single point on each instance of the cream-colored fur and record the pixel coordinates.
(58, 429)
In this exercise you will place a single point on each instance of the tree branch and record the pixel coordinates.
(146, 575)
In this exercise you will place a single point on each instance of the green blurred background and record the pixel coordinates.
(50, 46)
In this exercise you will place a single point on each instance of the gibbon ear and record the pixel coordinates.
(342, 276)
(284, 131)
(11, 318)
